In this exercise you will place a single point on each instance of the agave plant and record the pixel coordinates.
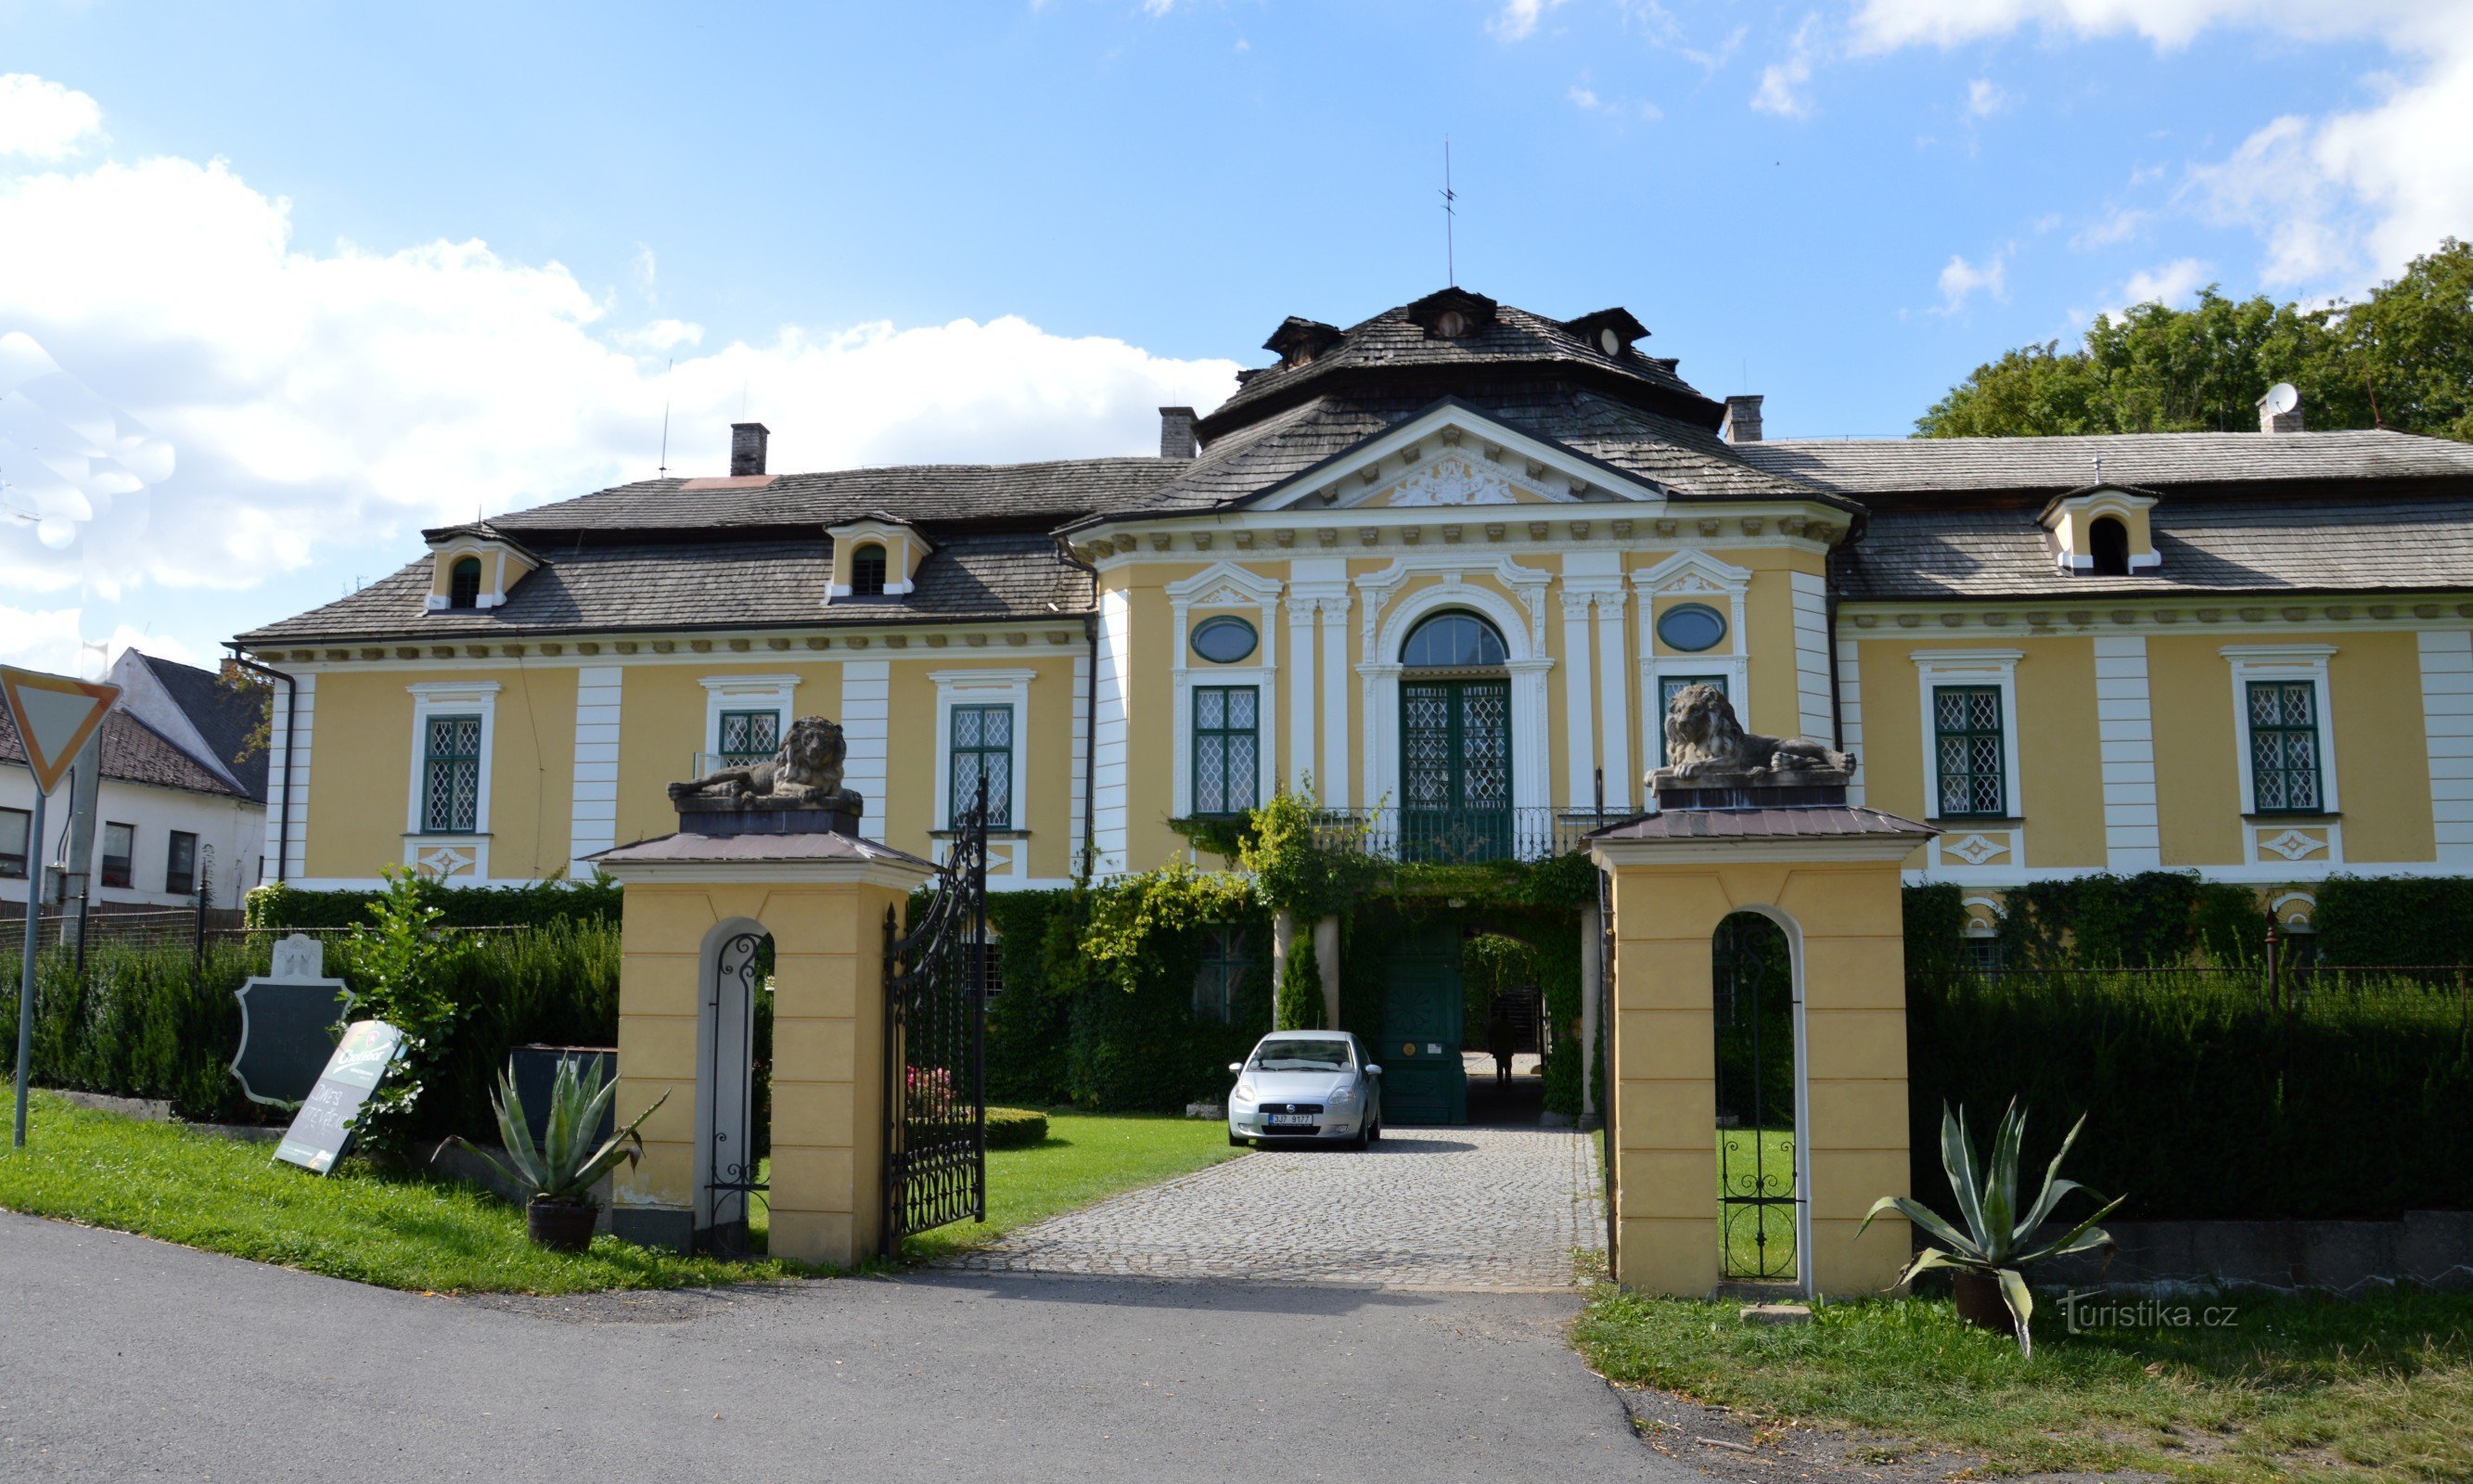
(560, 1168)
(1999, 1242)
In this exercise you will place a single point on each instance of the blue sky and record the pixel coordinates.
(349, 273)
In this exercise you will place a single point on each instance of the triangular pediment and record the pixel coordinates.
(1453, 456)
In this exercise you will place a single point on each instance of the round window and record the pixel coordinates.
(1692, 627)
(1223, 640)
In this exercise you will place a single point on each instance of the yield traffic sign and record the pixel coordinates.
(55, 715)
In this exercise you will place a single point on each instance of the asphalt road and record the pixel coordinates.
(123, 1358)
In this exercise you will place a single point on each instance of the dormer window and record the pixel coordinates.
(2102, 531)
(474, 566)
(2109, 541)
(463, 583)
(867, 571)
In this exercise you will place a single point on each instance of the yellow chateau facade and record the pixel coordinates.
(1446, 567)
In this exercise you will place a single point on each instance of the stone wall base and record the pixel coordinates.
(2430, 1248)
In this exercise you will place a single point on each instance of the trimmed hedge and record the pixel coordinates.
(536, 905)
(1016, 1128)
(2396, 919)
(2204, 1100)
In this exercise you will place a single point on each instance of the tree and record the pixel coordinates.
(2402, 359)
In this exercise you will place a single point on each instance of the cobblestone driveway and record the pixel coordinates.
(1500, 1208)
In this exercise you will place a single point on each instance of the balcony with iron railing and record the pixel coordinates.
(1462, 836)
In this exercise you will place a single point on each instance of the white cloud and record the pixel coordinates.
(50, 639)
(1984, 98)
(1517, 19)
(347, 396)
(1781, 90)
(1962, 280)
(1587, 100)
(39, 119)
(2171, 284)
(2336, 198)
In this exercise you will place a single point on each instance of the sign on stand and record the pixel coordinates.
(322, 1129)
(53, 715)
(290, 1018)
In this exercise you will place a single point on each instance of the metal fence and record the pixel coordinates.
(1462, 836)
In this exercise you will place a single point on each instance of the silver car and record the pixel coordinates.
(1312, 1084)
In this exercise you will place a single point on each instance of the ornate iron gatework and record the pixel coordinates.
(935, 1037)
(1456, 770)
(1757, 1199)
(734, 1157)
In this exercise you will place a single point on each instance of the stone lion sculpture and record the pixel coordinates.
(807, 770)
(1704, 737)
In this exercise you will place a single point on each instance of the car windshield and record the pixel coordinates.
(1302, 1056)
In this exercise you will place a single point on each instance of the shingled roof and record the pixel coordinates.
(1866, 466)
(708, 584)
(929, 495)
(132, 753)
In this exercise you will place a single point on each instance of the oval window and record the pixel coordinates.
(1223, 640)
(1690, 627)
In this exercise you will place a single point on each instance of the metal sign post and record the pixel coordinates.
(54, 716)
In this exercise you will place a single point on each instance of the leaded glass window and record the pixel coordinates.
(450, 776)
(1226, 749)
(983, 749)
(2284, 747)
(749, 736)
(1967, 742)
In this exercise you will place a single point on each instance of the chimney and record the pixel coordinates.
(2279, 411)
(1176, 433)
(746, 447)
(1742, 423)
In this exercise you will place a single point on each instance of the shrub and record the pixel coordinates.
(1016, 1128)
(281, 905)
(2204, 1099)
(2396, 919)
(1301, 1004)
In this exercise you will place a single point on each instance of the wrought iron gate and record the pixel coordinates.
(935, 1038)
(1758, 1201)
(734, 1156)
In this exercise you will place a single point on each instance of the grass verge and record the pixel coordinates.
(2376, 1389)
(163, 1181)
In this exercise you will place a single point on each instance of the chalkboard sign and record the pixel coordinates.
(322, 1128)
(289, 1019)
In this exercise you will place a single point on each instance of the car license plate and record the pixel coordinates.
(1292, 1120)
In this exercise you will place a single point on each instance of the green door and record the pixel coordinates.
(1422, 1079)
(1456, 770)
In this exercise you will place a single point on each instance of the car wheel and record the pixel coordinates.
(1374, 1132)
(1238, 1140)
(1364, 1137)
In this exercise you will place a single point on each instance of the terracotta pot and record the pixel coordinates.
(1979, 1302)
(561, 1226)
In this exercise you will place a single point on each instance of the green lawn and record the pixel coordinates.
(1084, 1157)
(2294, 1389)
(232, 1197)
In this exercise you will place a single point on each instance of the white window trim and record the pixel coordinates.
(1995, 667)
(1524, 637)
(775, 693)
(1221, 587)
(982, 687)
(450, 698)
(2283, 662)
(1690, 576)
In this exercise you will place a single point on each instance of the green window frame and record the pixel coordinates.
(982, 748)
(1227, 958)
(748, 737)
(450, 776)
(1227, 749)
(1667, 686)
(1970, 751)
(2284, 758)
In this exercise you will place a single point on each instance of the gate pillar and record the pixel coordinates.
(821, 893)
(1783, 843)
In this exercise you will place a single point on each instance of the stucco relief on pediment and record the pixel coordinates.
(1454, 479)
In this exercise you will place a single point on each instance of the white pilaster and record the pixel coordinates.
(867, 721)
(593, 817)
(2447, 723)
(2126, 737)
(1108, 732)
(1810, 592)
(1850, 712)
(1333, 779)
(1614, 703)
(1301, 691)
(1075, 832)
(1580, 714)
(287, 830)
